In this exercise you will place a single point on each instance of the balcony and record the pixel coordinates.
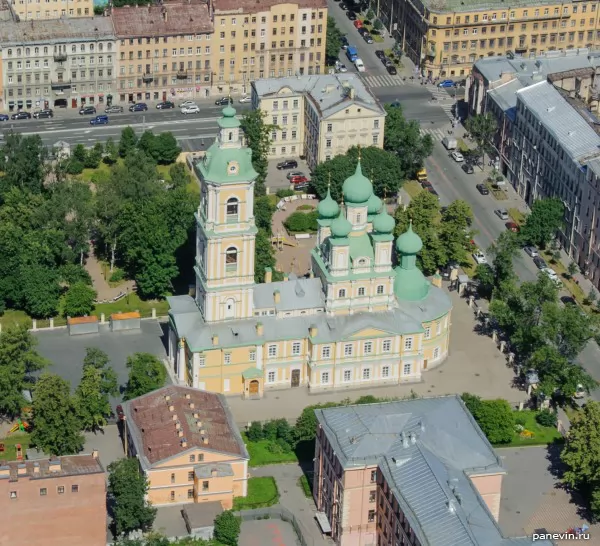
(60, 57)
(147, 78)
(182, 74)
(59, 85)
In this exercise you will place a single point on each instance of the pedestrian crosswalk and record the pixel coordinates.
(436, 134)
(385, 80)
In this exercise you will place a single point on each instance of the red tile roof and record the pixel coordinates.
(255, 6)
(156, 419)
(125, 316)
(168, 19)
(82, 320)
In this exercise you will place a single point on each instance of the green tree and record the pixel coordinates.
(381, 167)
(127, 488)
(541, 225)
(72, 273)
(503, 253)
(146, 374)
(178, 173)
(111, 152)
(41, 291)
(258, 139)
(572, 269)
(484, 275)
(227, 528)
(56, 427)
(127, 142)
(79, 300)
(79, 153)
(147, 143)
(93, 406)
(494, 417)
(166, 149)
(98, 359)
(264, 255)
(305, 428)
(581, 455)
(482, 128)
(404, 138)
(455, 233)
(18, 360)
(333, 41)
(263, 213)
(94, 156)
(23, 163)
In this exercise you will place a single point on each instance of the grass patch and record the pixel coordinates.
(516, 216)
(541, 435)
(273, 199)
(265, 452)
(469, 266)
(103, 170)
(132, 303)
(305, 486)
(412, 187)
(575, 290)
(11, 316)
(462, 145)
(377, 38)
(305, 207)
(262, 492)
(10, 453)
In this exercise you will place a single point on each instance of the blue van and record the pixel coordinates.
(352, 53)
(99, 120)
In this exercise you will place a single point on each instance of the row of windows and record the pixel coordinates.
(46, 51)
(27, 92)
(60, 490)
(263, 19)
(63, 12)
(361, 289)
(366, 374)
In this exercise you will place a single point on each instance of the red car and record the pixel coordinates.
(512, 227)
(298, 179)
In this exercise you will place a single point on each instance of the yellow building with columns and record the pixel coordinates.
(357, 321)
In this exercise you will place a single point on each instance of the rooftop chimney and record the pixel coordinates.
(180, 433)
(268, 274)
(215, 339)
(171, 407)
(36, 468)
(404, 440)
(205, 440)
(312, 330)
(187, 396)
(260, 330)
(183, 442)
(277, 296)
(192, 406)
(214, 472)
(95, 453)
(413, 438)
(54, 465)
(451, 506)
(22, 469)
(177, 425)
(311, 274)
(175, 418)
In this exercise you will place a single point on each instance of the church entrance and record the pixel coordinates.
(253, 390)
(295, 378)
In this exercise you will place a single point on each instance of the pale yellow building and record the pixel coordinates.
(446, 38)
(268, 39)
(319, 117)
(188, 446)
(28, 10)
(357, 321)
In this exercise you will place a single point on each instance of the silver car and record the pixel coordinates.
(531, 251)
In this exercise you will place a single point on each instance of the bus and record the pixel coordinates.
(352, 53)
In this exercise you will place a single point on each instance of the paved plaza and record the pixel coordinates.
(267, 532)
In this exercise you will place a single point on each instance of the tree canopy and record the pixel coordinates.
(79, 300)
(227, 528)
(333, 41)
(541, 225)
(146, 374)
(258, 138)
(482, 128)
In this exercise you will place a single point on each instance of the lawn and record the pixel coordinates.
(570, 284)
(412, 187)
(305, 486)
(132, 303)
(541, 435)
(261, 454)
(262, 492)
(462, 146)
(11, 317)
(9, 445)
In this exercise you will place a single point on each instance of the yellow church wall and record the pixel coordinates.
(226, 193)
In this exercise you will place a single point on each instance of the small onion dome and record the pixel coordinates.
(409, 243)
(374, 204)
(357, 188)
(328, 208)
(228, 111)
(341, 227)
(383, 222)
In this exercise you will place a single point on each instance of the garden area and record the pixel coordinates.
(10, 443)
(262, 493)
(304, 220)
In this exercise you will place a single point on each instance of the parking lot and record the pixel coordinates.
(277, 179)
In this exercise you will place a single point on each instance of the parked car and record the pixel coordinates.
(468, 168)
(358, 24)
(502, 214)
(540, 263)
(367, 37)
(482, 189)
(43, 114)
(479, 257)
(165, 105)
(568, 300)
(426, 184)
(187, 103)
(138, 107)
(190, 109)
(116, 109)
(298, 179)
(340, 67)
(580, 392)
(457, 156)
(380, 54)
(87, 111)
(450, 143)
(287, 164)
(21, 115)
(245, 99)
(391, 70)
(291, 174)
(302, 186)
(432, 191)
(351, 15)
(4, 117)
(223, 101)
(446, 83)
(531, 251)
(512, 226)
(102, 119)
(343, 6)
(388, 62)
(345, 42)
(360, 66)
(552, 275)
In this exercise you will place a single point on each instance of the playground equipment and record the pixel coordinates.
(279, 240)
(19, 452)
(19, 425)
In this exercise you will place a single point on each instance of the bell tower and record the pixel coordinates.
(226, 231)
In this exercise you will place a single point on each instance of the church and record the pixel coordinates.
(356, 321)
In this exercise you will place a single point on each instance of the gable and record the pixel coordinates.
(353, 111)
(370, 332)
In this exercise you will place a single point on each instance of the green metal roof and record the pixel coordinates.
(228, 121)
(410, 284)
(252, 373)
(328, 208)
(357, 188)
(409, 242)
(218, 162)
(360, 247)
(383, 222)
(341, 227)
(374, 204)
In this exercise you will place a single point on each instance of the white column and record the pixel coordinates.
(181, 364)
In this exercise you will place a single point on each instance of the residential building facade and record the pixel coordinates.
(57, 63)
(445, 38)
(356, 321)
(54, 502)
(319, 117)
(188, 446)
(30, 10)
(165, 51)
(268, 39)
(413, 472)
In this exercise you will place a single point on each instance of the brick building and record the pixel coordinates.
(53, 502)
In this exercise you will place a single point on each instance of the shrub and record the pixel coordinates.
(270, 430)
(227, 528)
(117, 275)
(378, 25)
(546, 418)
(520, 420)
(375, 32)
(255, 431)
(305, 207)
(275, 447)
(74, 167)
(286, 192)
(370, 14)
(300, 221)
(366, 22)
(494, 417)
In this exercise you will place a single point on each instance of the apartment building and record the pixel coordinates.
(446, 38)
(188, 445)
(413, 472)
(29, 10)
(165, 51)
(57, 63)
(319, 117)
(268, 39)
(53, 502)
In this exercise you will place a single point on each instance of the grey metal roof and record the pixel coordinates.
(329, 92)
(426, 449)
(561, 120)
(505, 95)
(295, 294)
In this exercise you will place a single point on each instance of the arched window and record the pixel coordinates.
(358, 217)
(10, 52)
(101, 47)
(18, 52)
(230, 308)
(74, 49)
(82, 48)
(342, 293)
(230, 136)
(37, 50)
(27, 51)
(362, 261)
(45, 51)
(232, 210)
(361, 291)
(231, 260)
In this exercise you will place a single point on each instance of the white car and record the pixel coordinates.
(457, 156)
(360, 66)
(531, 251)
(187, 103)
(552, 275)
(479, 257)
(192, 109)
(340, 67)
(245, 99)
(502, 214)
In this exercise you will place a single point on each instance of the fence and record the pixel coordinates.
(279, 513)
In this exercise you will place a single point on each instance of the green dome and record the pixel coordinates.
(384, 223)
(328, 208)
(228, 111)
(228, 119)
(410, 284)
(409, 243)
(357, 188)
(374, 204)
(341, 227)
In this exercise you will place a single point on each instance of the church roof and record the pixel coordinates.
(295, 295)
(357, 188)
(215, 167)
(360, 247)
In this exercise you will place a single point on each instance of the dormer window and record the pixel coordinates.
(358, 218)
(230, 136)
